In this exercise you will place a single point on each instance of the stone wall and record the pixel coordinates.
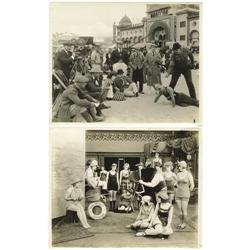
(67, 163)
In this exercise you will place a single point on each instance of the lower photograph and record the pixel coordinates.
(124, 188)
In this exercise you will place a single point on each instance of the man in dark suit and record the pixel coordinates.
(119, 53)
(136, 62)
(64, 59)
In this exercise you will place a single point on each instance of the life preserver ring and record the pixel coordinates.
(96, 210)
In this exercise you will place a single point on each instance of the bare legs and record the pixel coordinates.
(182, 205)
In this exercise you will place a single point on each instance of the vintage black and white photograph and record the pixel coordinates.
(125, 62)
(125, 188)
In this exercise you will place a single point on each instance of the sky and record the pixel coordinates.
(92, 19)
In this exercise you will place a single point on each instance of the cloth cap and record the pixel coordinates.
(120, 71)
(80, 79)
(182, 164)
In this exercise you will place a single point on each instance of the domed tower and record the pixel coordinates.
(125, 21)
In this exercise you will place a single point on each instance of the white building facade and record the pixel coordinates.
(164, 24)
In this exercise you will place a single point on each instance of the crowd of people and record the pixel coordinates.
(158, 184)
(85, 79)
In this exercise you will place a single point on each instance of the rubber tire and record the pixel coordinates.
(93, 216)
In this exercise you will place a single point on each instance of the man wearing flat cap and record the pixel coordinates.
(76, 100)
(94, 87)
(181, 62)
(64, 59)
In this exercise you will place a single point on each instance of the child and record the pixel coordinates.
(108, 83)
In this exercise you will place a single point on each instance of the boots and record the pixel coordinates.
(86, 115)
(110, 206)
(113, 205)
(99, 111)
(95, 117)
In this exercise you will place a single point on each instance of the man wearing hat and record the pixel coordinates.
(181, 62)
(94, 87)
(73, 197)
(96, 57)
(119, 53)
(136, 62)
(64, 59)
(76, 100)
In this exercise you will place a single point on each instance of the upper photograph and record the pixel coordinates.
(125, 62)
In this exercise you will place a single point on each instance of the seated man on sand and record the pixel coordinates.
(76, 101)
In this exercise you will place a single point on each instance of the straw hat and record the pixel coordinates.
(80, 79)
(76, 180)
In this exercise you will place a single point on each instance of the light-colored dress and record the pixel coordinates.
(152, 62)
(108, 83)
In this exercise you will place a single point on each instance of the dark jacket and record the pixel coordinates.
(91, 85)
(182, 60)
(116, 56)
(108, 59)
(64, 62)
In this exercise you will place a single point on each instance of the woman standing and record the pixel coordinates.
(113, 186)
(185, 184)
(157, 159)
(74, 196)
(170, 179)
(124, 178)
(152, 63)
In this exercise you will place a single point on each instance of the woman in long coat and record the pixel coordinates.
(152, 63)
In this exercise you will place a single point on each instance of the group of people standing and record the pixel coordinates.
(156, 206)
(118, 74)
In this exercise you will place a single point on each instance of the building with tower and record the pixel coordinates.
(163, 25)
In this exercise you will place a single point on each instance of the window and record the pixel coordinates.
(182, 38)
(182, 24)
